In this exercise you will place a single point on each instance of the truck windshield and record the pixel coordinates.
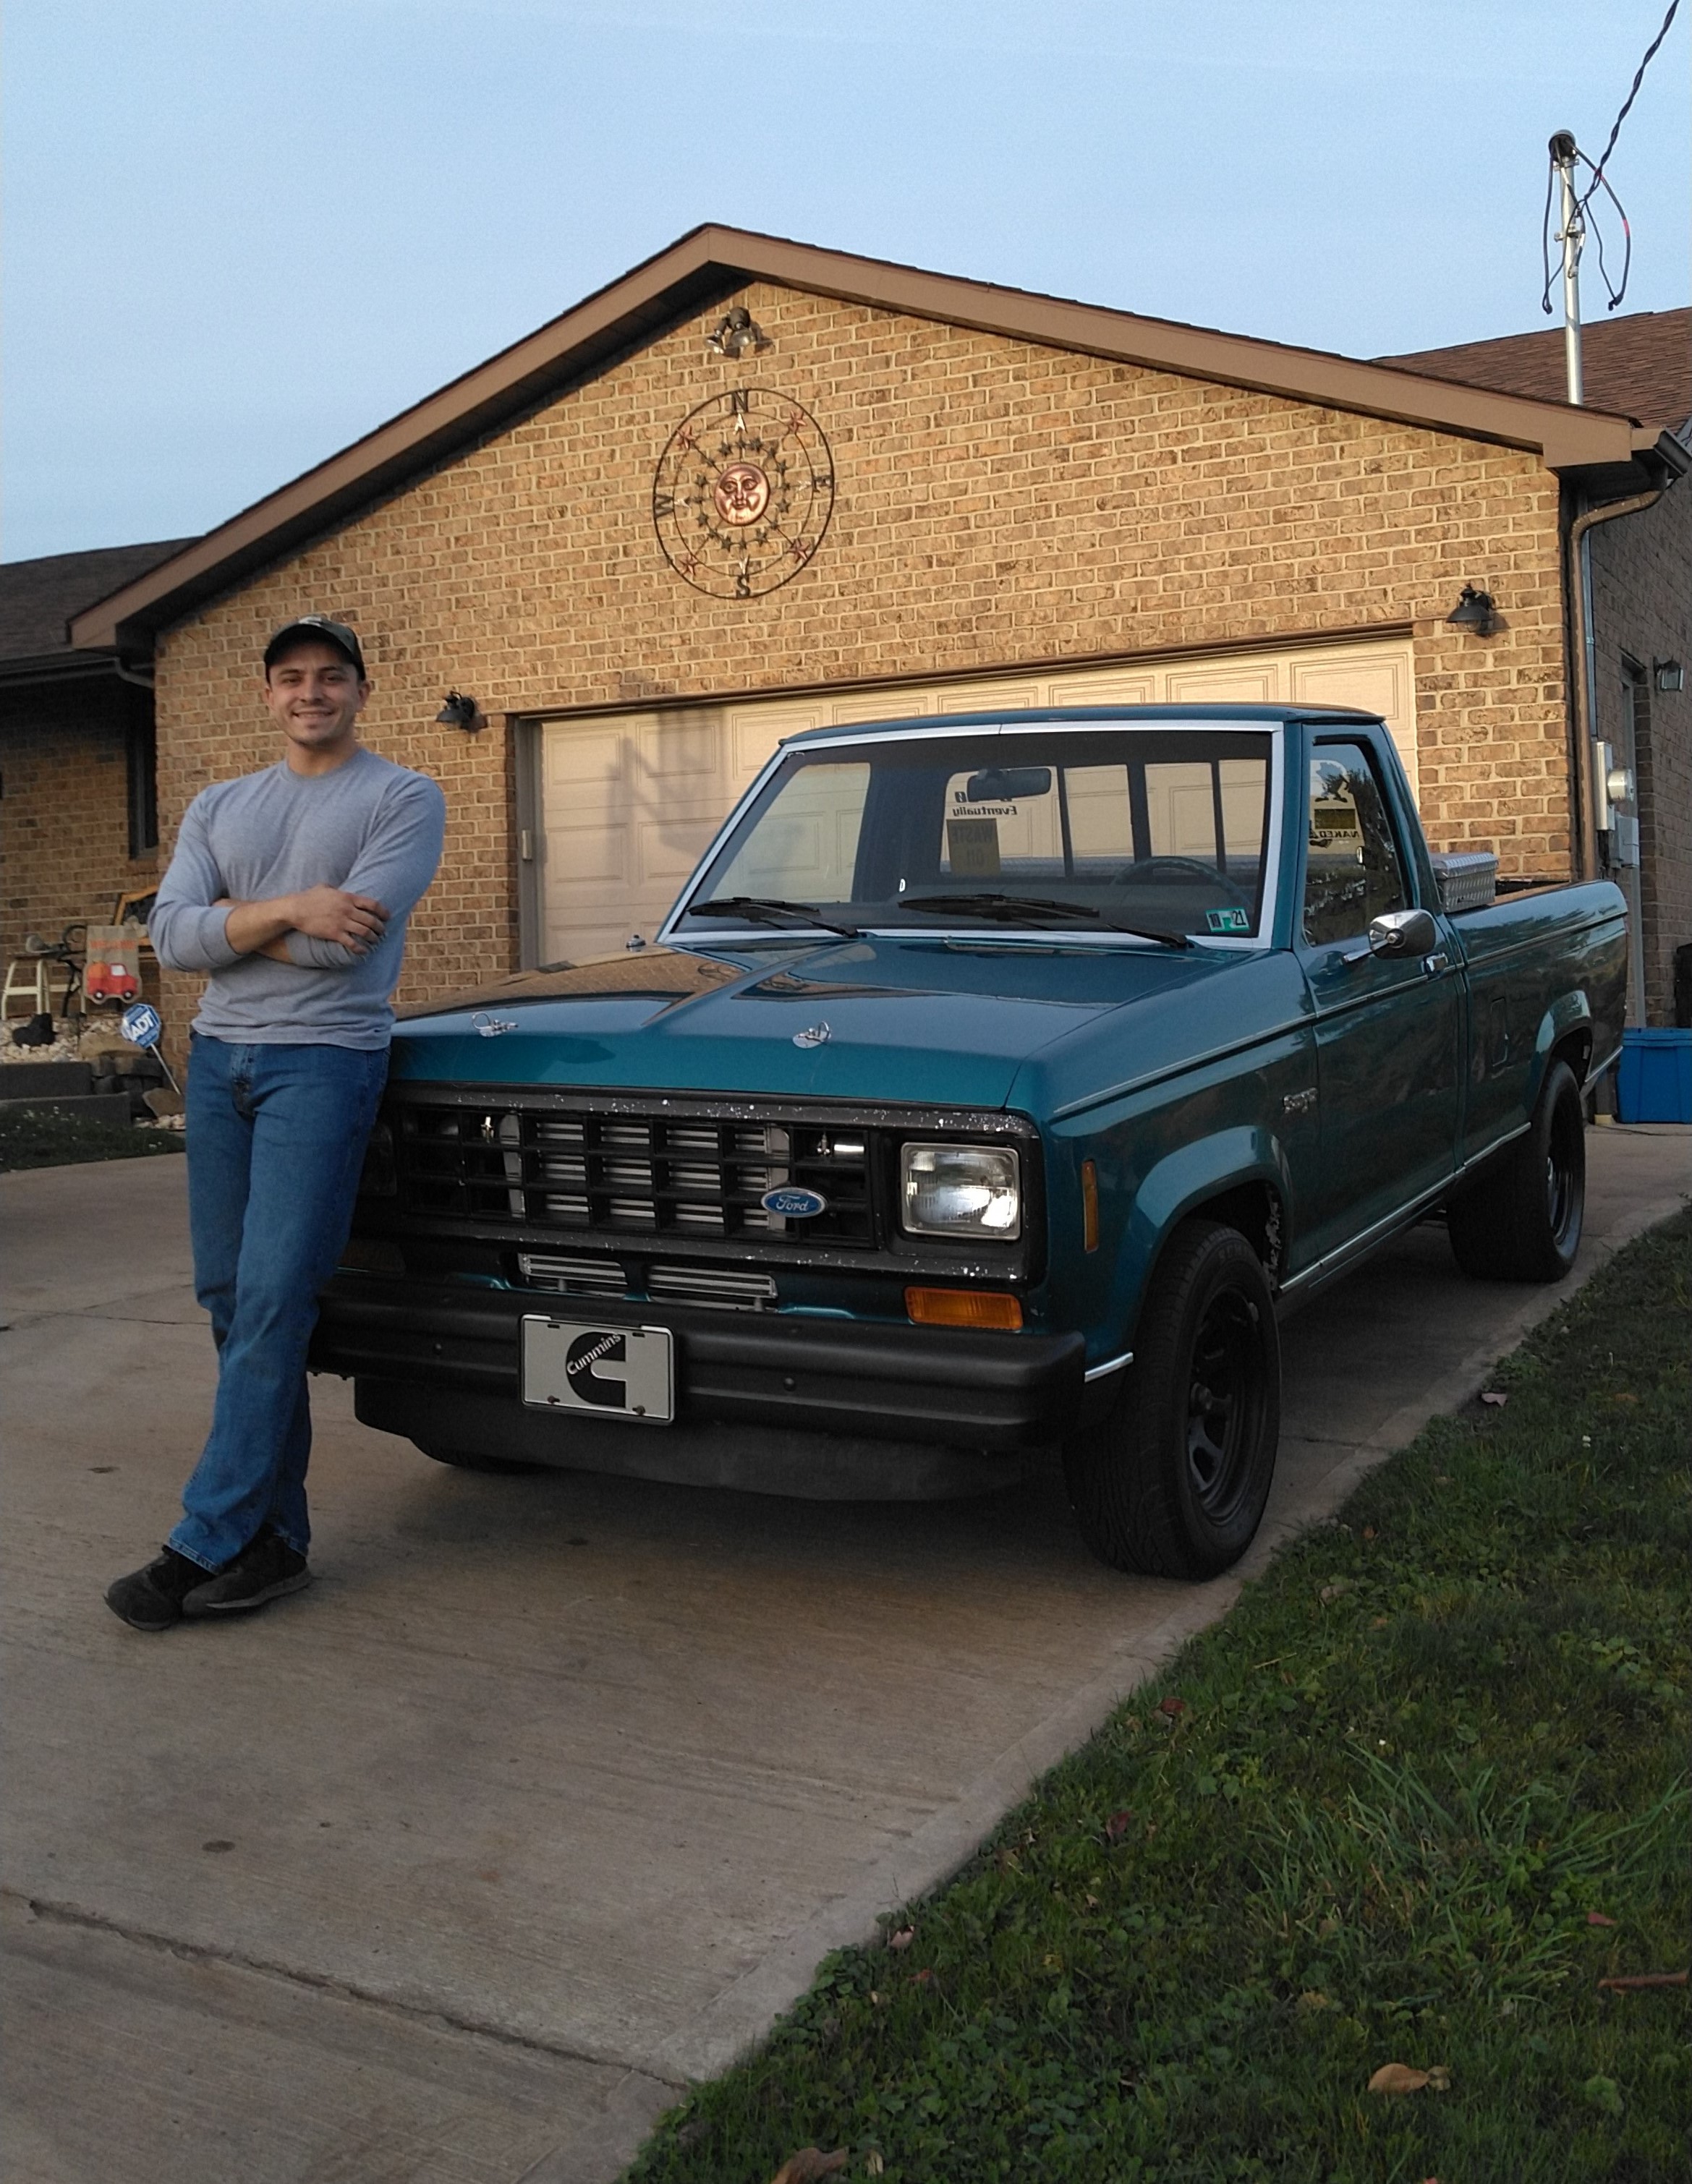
(1161, 832)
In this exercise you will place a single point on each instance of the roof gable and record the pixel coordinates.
(712, 262)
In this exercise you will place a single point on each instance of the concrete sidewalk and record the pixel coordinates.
(553, 1790)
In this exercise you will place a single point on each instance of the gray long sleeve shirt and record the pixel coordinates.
(369, 827)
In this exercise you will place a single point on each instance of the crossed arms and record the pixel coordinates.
(352, 922)
(199, 925)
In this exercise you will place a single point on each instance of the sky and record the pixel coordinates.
(239, 236)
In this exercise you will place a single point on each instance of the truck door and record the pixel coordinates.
(1389, 1032)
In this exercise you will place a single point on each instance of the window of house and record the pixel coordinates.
(141, 752)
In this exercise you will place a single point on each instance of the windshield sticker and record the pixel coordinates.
(972, 848)
(1228, 920)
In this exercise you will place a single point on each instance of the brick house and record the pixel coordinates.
(1639, 579)
(79, 815)
(968, 496)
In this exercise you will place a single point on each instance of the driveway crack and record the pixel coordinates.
(95, 1922)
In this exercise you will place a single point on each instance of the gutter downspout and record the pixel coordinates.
(130, 674)
(1585, 677)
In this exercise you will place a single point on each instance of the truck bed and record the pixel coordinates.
(1532, 960)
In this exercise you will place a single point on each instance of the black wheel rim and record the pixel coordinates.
(1224, 1403)
(1563, 1174)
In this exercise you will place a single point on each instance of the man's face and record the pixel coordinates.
(316, 695)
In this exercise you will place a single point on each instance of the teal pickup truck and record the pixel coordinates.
(998, 1081)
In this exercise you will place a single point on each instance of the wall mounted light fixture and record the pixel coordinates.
(737, 334)
(1668, 675)
(461, 712)
(1475, 610)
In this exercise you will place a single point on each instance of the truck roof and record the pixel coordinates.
(1138, 715)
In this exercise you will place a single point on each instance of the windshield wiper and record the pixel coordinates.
(770, 910)
(1010, 908)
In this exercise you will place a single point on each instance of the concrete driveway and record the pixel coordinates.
(553, 1790)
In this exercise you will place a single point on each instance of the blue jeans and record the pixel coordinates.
(276, 1143)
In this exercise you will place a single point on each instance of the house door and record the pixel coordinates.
(1624, 828)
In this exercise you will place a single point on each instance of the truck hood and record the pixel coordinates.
(917, 1019)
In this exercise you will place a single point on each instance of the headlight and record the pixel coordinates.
(960, 1190)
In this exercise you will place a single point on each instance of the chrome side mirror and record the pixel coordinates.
(1404, 933)
(1400, 933)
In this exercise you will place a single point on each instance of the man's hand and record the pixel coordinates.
(357, 921)
(353, 922)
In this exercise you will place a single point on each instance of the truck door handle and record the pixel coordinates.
(1433, 965)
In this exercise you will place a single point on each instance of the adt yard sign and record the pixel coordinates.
(141, 1025)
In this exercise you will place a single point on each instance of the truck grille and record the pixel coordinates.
(727, 1289)
(630, 1175)
(723, 1288)
(596, 1278)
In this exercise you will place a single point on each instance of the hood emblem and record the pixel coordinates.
(491, 1027)
(794, 1203)
(816, 1034)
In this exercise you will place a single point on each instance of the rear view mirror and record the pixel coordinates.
(1403, 933)
(1003, 784)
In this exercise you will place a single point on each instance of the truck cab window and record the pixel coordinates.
(1147, 830)
(805, 847)
(1352, 870)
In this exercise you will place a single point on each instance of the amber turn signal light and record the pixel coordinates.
(964, 1308)
(1089, 1206)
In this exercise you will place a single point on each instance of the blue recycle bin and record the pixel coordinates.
(1654, 1084)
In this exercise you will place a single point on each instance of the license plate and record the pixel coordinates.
(605, 1372)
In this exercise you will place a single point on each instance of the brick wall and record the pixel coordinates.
(997, 502)
(64, 813)
(1642, 611)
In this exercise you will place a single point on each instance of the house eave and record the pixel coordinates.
(81, 666)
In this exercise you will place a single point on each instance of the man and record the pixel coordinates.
(292, 888)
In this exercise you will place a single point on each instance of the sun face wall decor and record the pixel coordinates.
(743, 493)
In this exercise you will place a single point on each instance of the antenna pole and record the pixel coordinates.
(1571, 235)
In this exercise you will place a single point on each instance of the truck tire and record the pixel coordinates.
(1173, 1483)
(470, 1459)
(1522, 1222)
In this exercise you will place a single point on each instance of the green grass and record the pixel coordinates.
(1364, 1820)
(37, 1137)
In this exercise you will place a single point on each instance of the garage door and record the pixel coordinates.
(626, 802)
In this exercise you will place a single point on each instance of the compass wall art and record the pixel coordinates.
(743, 493)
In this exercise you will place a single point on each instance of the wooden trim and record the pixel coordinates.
(1021, 670)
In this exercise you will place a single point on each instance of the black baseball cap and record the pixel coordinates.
(325, 631)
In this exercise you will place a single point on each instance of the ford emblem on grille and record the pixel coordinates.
(793, 1203)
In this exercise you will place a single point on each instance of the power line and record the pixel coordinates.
(1600, 180)
(1627, 103)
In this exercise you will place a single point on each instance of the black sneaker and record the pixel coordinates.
(265, 1569)
(151, 1599)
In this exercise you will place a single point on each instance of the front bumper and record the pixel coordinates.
(412, 1346)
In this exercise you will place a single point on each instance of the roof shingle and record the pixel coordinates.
(38, 598)
(1640, 364)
